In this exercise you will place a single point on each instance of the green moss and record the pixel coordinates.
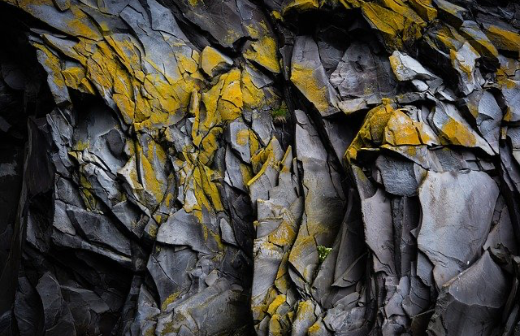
(323, 252)
(280, 114)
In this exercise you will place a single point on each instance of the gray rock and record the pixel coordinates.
(183, 229)
(453, 208)
(359, 71)
(96, 228)
(58, 318)
(460, 311)
(308, 75)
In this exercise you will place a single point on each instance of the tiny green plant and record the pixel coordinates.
(280, 114)
(323, 252)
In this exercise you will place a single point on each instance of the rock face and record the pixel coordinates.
(240, 167)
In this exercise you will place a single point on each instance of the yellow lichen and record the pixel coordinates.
(503, 39)
(371, 133)
(279, 300)
(400, 7)
(387, 22)
(171, 298)
(263, 52)
(457, 134)
(303, 77)
(424, 8)
(300, 5)
(210, 59)
(53, 63)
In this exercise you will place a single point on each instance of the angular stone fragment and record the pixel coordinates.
(464, 62)
(97, 228)
(503, 38)
(212, 61)
(458, 208)
(399, 177)
(452, 13)
(511, 94)
(308, 75)
(189, 317)
(58, 318)
(406, 68)
(472, 32)
(401, 129)
(424, 8)
(377, 220)
(305, 318)
(183, 229)
(362, 74)
(324, 199)
(461, 311)
(455, 130)
(488, 114)
(392, 24)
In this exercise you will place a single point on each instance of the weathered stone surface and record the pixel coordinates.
(295, 167)
(479, 312)
(456, 217)
(308, 75)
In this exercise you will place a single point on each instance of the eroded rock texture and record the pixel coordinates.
(270, 167)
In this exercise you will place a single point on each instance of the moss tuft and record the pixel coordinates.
(323, 252)
(280, 114)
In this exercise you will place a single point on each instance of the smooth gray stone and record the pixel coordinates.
(398, 176)
(58, 318)
(488, 118)
(306, 67)
(129, 215)
(169, 269)
(184, 229)
(359, 71)
(96, 228)
(192, 313)
(418, 298)
(234, 175)
(86, 307)
(407, 68)
(503, 232)
(28, 309)
(237, 135)
(457, 208)
(263, 125)
(222, 20)
(464, 63)
(511, 96)
(378, 231)
(460, 311)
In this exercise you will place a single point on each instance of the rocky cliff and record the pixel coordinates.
(269, 167)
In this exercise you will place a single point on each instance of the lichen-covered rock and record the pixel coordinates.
(295, 167)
